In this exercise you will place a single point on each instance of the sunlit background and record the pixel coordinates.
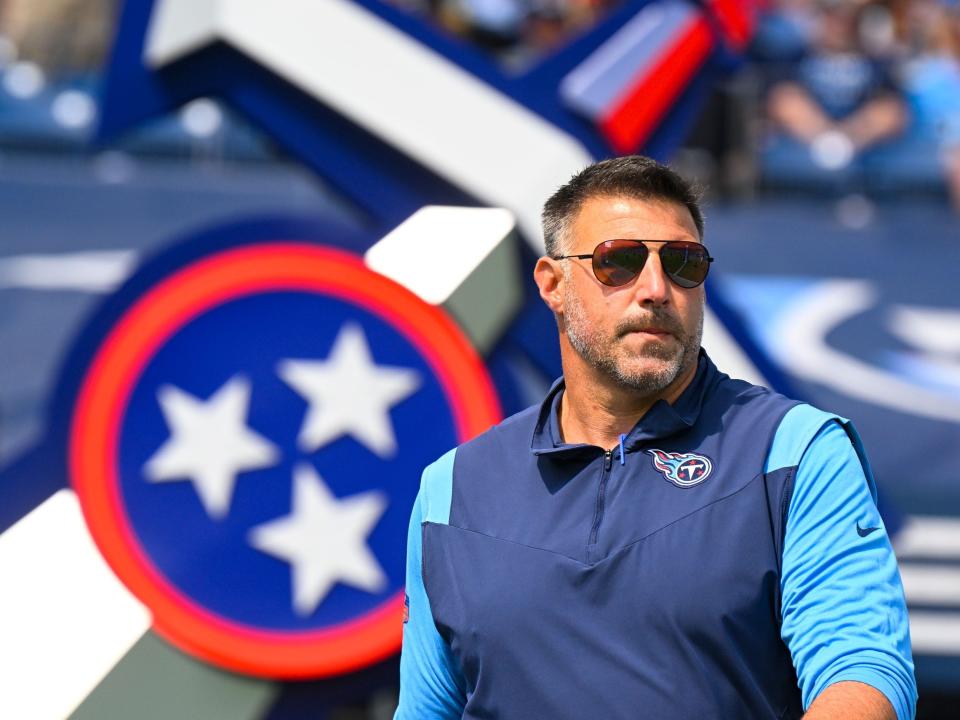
(830, 155)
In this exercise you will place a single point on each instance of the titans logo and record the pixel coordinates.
(682, 469)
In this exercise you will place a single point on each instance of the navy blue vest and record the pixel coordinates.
(574, 583)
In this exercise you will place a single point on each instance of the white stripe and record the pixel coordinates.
(935, 633)
(404, 92)
(726, 352)
(91, 271)
(463, 259)
(934, 330)
(438, 248)
(65, 619)
(800, 344)
(623, 42)
(931, 584)
(930, 537)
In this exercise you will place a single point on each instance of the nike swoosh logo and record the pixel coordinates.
(863, 532)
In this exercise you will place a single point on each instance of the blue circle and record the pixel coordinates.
(211, 560)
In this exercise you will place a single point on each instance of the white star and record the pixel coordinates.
(324, 540)
(349, 394)
(209, 443)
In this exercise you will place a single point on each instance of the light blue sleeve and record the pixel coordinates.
(843, 608)
(431, 682)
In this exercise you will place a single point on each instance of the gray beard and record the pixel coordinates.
(599, 352)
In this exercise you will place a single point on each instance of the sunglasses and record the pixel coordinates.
(617, 262)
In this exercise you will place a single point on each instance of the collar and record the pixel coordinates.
(661, 420)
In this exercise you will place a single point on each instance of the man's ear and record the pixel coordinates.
(548, 274)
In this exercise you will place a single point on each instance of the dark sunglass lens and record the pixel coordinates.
(687, 263)
(617, 262)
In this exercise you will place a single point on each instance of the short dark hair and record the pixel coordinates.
(632, 176)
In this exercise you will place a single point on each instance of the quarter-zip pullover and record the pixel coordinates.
(709, 566)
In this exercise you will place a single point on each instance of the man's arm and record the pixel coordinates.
(844, 616)
(851, 701)
(431, 682)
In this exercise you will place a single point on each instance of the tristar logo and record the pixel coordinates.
(246, 443)
(682, 469)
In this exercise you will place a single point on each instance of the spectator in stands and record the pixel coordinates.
(929, 33)
(834, 105)
(518, 32)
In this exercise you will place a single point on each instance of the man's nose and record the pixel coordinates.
(652, 284)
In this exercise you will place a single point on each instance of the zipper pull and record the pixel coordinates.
(607, 459)
(622, 460)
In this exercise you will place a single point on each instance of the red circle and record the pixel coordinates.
(102, 402)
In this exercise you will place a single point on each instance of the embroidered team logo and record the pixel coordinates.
(682, 469)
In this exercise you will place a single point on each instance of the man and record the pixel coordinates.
(655, 540)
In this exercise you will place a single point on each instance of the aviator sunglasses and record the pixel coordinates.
(617, 262)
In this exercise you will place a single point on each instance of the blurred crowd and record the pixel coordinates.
(53, 54)
(842, 96)
(62, 36)
(861, 93)
(517, 31)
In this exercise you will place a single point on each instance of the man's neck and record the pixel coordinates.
(596, 410)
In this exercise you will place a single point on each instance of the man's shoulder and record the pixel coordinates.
(796, 424)
(742, 394)
(756, 415)
(799, 431)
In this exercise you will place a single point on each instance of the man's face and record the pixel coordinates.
(644, 334)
